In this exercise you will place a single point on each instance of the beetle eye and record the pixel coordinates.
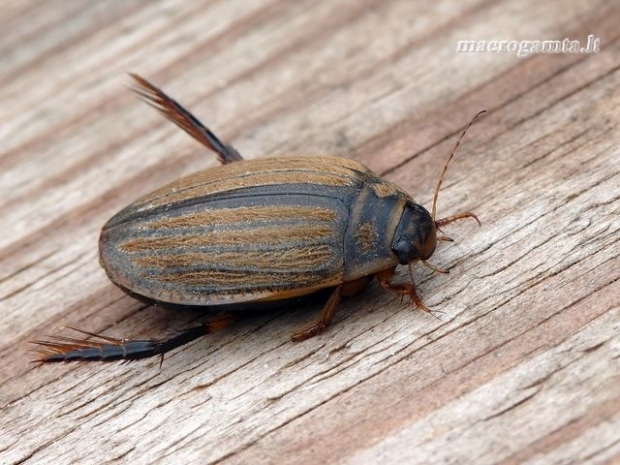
(404, 250)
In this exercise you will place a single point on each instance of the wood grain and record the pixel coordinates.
(523, 366)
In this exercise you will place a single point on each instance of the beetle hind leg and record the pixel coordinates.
(173, 111)
(97, 347)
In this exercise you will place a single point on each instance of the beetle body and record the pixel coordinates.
(255, 230)
(255, 233)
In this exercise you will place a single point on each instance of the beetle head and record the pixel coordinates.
(416, 235)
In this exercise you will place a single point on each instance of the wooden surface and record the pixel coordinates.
(523, 366)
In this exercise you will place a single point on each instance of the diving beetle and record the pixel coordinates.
(254, 233)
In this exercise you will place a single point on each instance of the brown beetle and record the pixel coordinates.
(254, 233)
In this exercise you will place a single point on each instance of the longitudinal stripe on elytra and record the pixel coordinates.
(255, 236)
(237, 282)
(312, 257)
(254, 214)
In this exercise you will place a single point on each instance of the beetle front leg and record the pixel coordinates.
(385, 278)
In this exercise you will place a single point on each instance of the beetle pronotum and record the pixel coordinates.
(255, 232)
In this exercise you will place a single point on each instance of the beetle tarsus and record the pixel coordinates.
(107, 349)
(459, 216)
(173, 111)
(403, 289)
(327, 315)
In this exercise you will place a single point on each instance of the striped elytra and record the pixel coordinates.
(254, 233)
(253, 230)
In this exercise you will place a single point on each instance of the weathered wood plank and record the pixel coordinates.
(522, 367)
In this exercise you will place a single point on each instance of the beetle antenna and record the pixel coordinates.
(436, 269)
(445, 168)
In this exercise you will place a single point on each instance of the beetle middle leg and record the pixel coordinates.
(385, 278)
(329, 310)
(327, 315)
